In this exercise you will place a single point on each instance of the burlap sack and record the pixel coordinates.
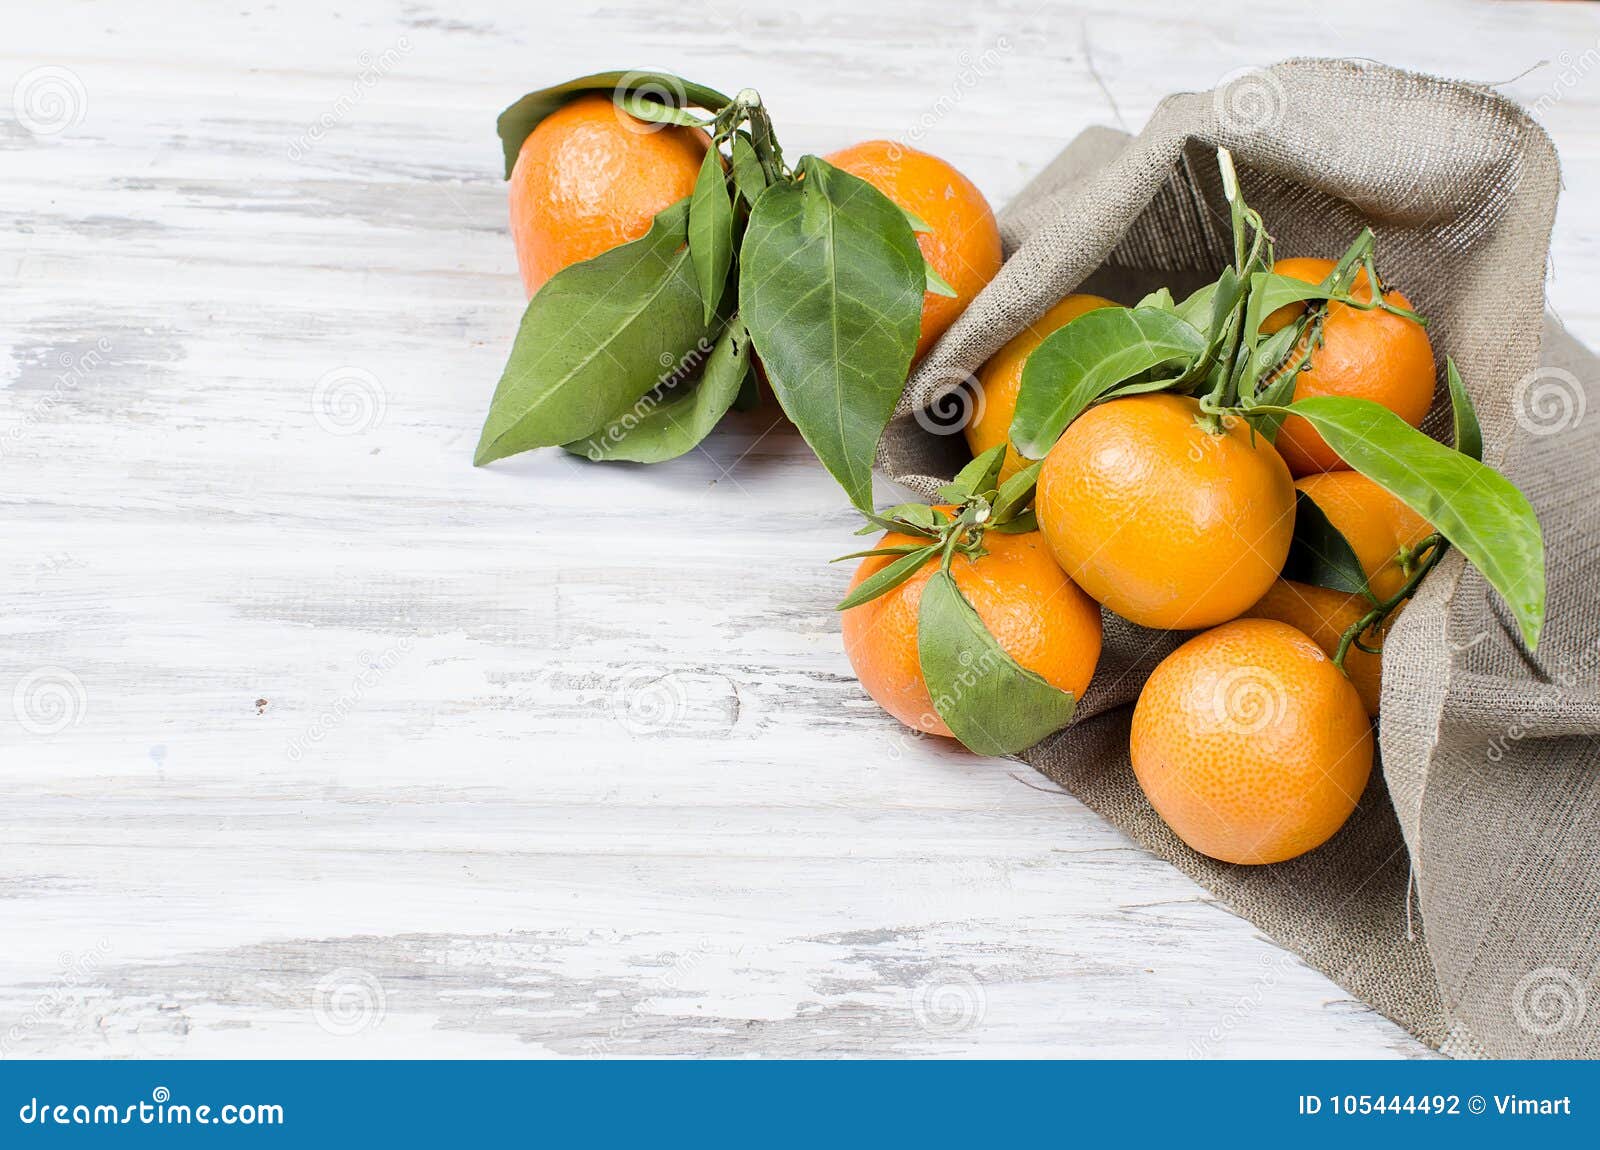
(1488, 800)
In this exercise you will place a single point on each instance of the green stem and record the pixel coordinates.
(1435, 545)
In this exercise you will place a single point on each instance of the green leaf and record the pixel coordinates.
(981, 475)
(935, 282)
(749, 397)
(1018, 524)
(521, 118)
(893, 549)
(1468, 435)
(642, 107)
(594, 339)
(1269, 291)
(918, 224)
(1160, 299)
(888, 578)
(747, 174)
(1195, 310)
(830, 284)
(711, 231)
(655, 432)
(1319, 554)
(1473, 506)
(1078, 363)
(1015, 492)
(993, 704)
(916, 514)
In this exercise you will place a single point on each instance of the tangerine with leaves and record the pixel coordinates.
(591, 177)
(1034, 612)
(1364, 353)
(1250, 743)
(963, 243)
(1000, 379)
(1169, 517)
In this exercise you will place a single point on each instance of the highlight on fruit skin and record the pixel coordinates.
(963, 240)
(1250, 743)
(1033, 611)
(999, 380)
(1165, 521)
(590, 178)
(1364, 354)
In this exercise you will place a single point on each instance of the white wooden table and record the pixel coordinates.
(317, 741)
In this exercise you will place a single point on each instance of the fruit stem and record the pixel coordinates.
(1435, 546)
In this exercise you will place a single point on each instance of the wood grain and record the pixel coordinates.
(321, 742)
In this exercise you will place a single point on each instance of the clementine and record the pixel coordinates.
(1372, 354)
(1164, 519)
(1250, 744)
(591, 177)
(964, 245)
(1034, 612)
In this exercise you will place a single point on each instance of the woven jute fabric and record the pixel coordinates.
(1463, 898)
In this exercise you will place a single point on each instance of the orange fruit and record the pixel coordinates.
(1364, 354)
(964, 245)
(1034, 612)
(1250, 744)
(1378, 526)
(1000, 380)
(1164, 521)
(591, 177)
